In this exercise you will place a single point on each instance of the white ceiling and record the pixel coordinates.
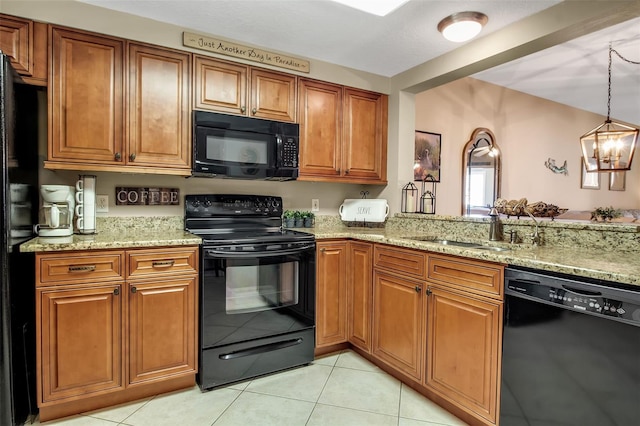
(574, 73)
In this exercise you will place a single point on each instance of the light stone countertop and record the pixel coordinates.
(609, 265)
(622, 267)
(115, 239)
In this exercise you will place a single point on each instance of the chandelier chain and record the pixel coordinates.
(612, 50)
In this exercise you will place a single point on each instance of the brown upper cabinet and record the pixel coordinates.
(234, 88)
(25, 42)
(87, 99)
(343, 133)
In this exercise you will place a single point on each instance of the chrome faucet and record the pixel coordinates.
(535, 237)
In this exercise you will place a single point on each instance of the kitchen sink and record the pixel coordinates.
(445, 242)
(492, 248)
(455, 243)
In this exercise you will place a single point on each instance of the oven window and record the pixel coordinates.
(253, 288)
(237, 147)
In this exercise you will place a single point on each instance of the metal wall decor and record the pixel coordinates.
(551, 165)
(427, 155)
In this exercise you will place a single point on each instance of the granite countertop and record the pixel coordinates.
(609, 265)
(617, 266)
(114, 239)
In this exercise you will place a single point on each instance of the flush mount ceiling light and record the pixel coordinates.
(374, 7)
(610, 146)
(462, 26)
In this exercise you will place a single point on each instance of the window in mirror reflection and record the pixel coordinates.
(481, 168)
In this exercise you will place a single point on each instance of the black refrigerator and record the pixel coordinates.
(19, 133)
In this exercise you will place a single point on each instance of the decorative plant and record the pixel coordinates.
(297, 214)
(289, 214)
(605, 213)
(307, 215)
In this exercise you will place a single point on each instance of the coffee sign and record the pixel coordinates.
(147, 196)
(224, 47)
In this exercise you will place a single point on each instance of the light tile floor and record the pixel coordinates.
(341, 389)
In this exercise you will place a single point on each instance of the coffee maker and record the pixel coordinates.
(56, 214)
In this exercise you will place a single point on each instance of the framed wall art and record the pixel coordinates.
(589, 179)
(617, 181)
(427, 155)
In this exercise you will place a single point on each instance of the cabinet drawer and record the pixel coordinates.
(477, 277)
(79, 267)
(144, 263)
(404, 261)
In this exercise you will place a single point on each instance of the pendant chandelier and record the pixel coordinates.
(610, 146)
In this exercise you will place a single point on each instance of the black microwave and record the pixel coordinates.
(244, 147)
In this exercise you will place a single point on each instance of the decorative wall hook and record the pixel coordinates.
(551, 165)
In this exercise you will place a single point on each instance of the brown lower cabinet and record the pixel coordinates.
(433, 320)
(463, 350)
(105, 338)
(397, 323)
(331, 293)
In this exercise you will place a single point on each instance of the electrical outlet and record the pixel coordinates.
(315, 205)
(102, 203)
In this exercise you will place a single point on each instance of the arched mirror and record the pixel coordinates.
(481, 173)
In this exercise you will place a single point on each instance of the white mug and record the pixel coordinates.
(79, 194)
(79, 209)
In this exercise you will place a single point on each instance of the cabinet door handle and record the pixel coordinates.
(253, 111)
(132, 157)
(118, 156)
(162, 263)
(82, 268)
(429, 291)
(418, 289)
(134, 290)
(346, 172)
(116, 292)
(243, 109)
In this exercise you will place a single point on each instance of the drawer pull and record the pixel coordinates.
(429, 292)
(134, 290)
(163, 263)
(82, 268)
(116, 292)
(418, 289)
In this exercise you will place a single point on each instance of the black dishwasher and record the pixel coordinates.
(571, 351)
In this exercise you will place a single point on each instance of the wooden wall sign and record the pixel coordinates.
(224, 47)
(147, 196)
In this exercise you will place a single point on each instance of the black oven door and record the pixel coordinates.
(256, 290)
(234, 153)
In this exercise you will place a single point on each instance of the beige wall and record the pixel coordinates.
(523, 125)
(528, 130)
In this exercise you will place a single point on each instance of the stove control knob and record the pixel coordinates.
(275, 203)
(196, 203)
(207, 203)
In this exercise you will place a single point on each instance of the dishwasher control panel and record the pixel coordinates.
(575, 295)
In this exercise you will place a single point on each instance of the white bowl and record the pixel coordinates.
(56, 193)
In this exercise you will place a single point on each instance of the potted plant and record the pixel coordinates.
(289, 217)
(308, 219)
(298, 221)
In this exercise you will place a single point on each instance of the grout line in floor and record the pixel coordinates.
(231, 403)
